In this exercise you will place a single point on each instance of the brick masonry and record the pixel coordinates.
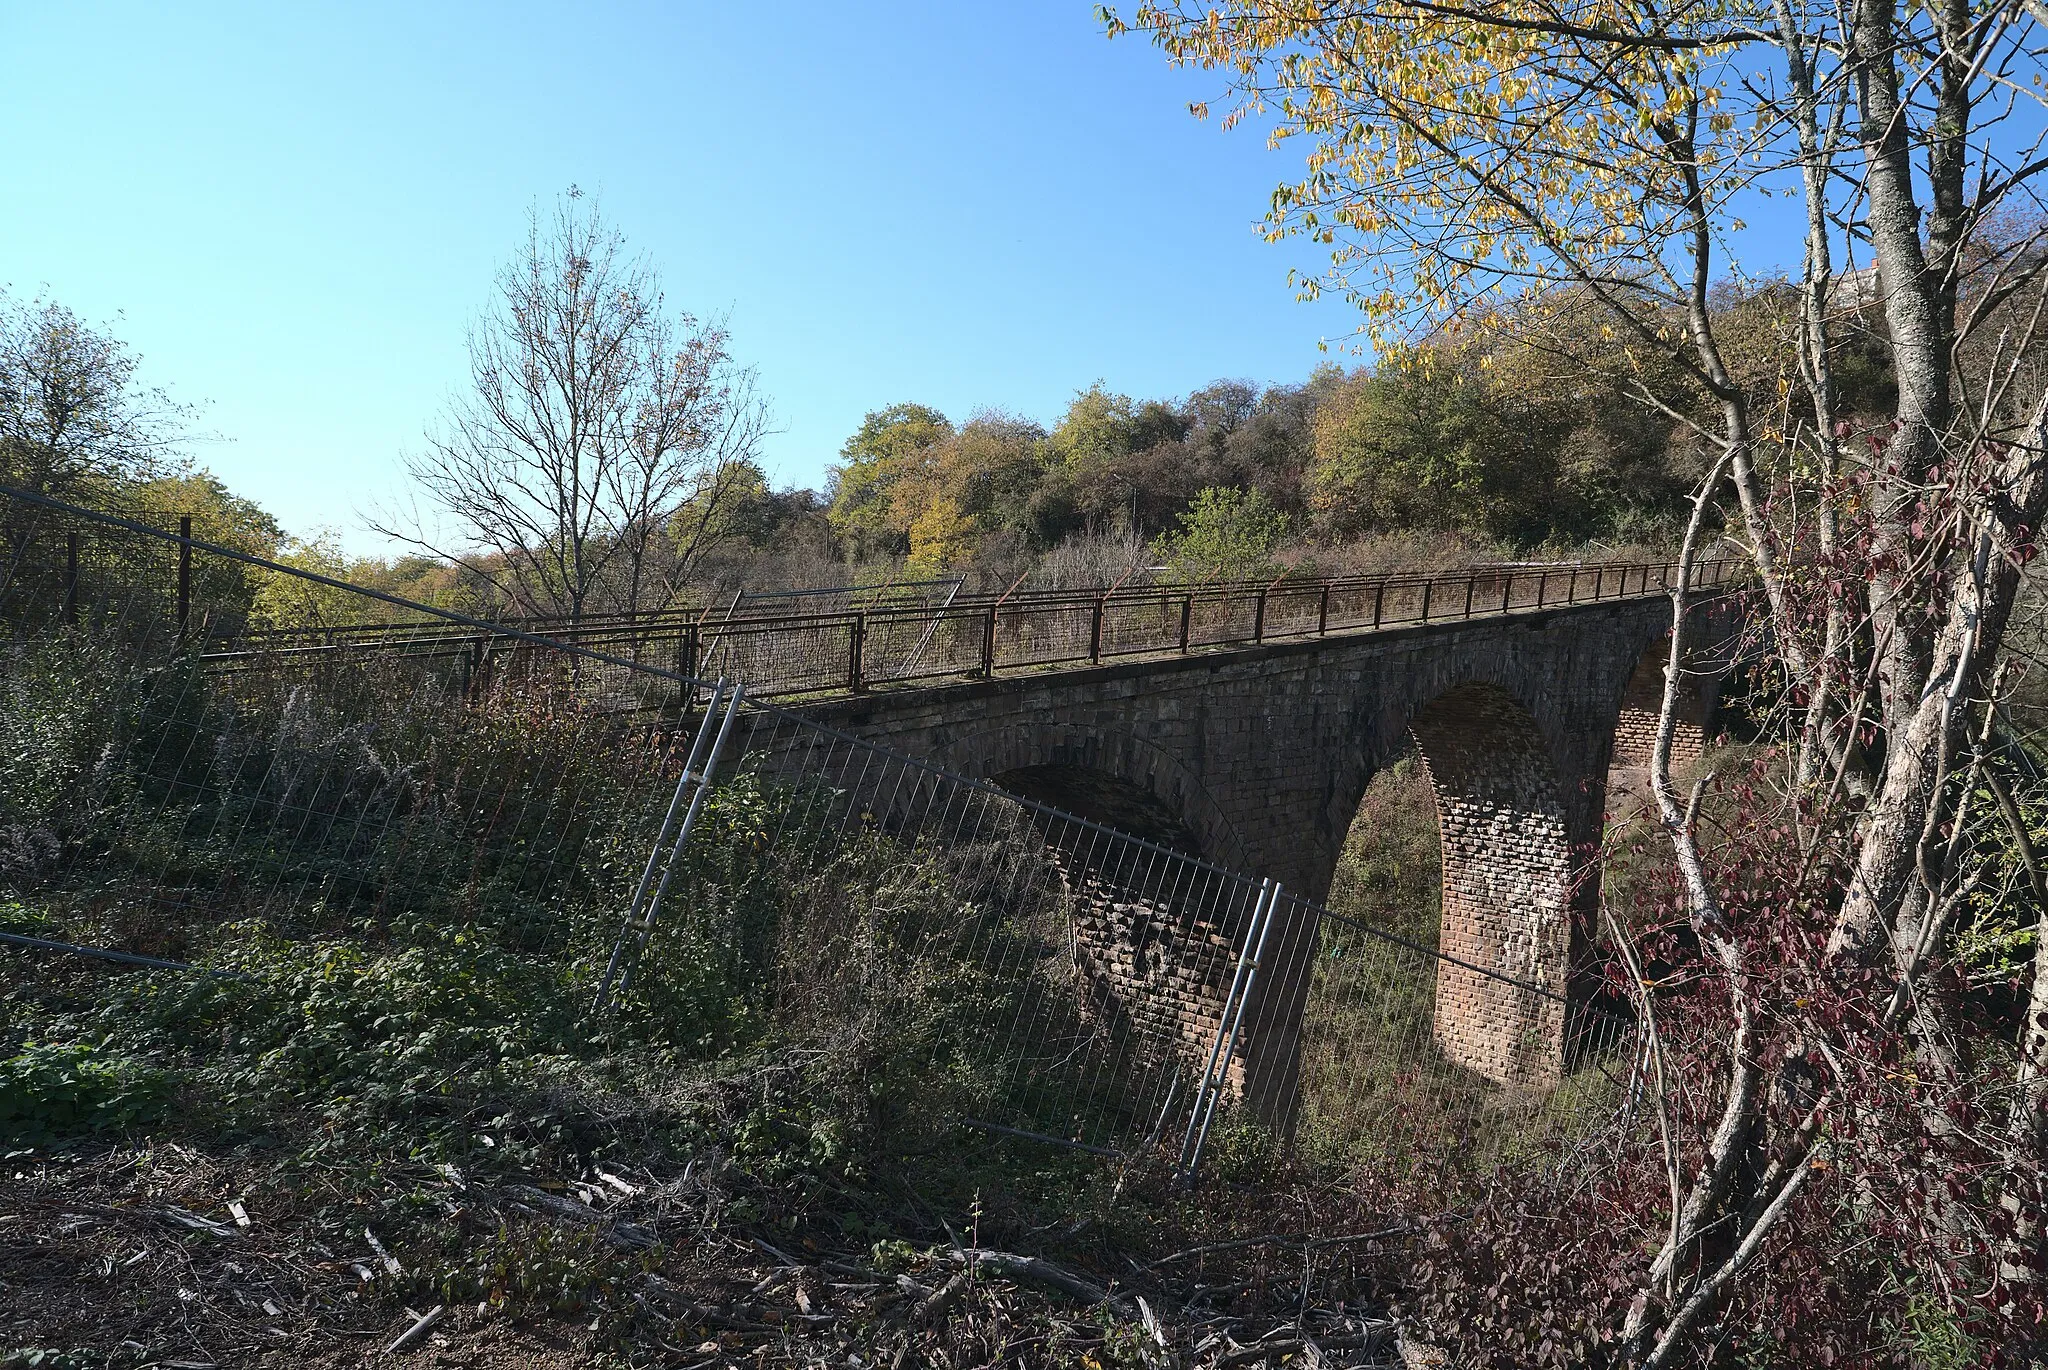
(1259, 757)
(1507, 884)
(1155, 951)
(1635, 731)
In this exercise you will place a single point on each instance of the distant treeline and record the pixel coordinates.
(1502, 435)
(1502, 439)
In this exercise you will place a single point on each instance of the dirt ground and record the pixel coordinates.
(167, 1257)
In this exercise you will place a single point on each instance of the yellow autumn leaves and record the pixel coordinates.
(1456, 152)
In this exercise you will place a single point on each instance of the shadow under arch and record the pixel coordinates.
(1107, 776)
(1101, 797)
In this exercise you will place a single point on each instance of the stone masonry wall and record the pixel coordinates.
(1155, 948)
(1158, 973)
(1635, 731)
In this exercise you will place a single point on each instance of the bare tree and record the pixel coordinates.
(72, 418)
(592, 419)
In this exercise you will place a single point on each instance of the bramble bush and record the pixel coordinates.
(50, 1091)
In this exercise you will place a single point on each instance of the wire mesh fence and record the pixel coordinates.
(609, 829)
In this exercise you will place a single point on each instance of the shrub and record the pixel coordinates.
(1225, 535)
(50, 1091)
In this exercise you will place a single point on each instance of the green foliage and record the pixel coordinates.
(408, 906)
(1938, 1341)
(531, 1268)
(19, 918)
(1484, 436)
(50, 1091)
(1423, 445)
(1224, 535)
(218, 514)
(286, 601)
(1994, 941)
(894, 1256)
(1111, 459)
(1390, 873)
(59, 715)
(1241, 1149)
(74, 422)
(413, 1039)
(869, 466)
(1100, 426)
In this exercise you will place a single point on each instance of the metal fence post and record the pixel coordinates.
(1470, 581)
(1259, 618)
(1542, 584)
(1187, 621)
(1095, 630)
(856, 643)
(71, 578)
(184, 578)
(988, 645)
(686, 664)
(1507, 590)
(1225, 1046)
(686, 654)
(1427, 586)
(1379, 592)
(1323, 612)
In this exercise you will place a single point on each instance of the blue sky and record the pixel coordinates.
(295, 210)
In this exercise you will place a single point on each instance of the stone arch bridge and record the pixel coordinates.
(1256, 758)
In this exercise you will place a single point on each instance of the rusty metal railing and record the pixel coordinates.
(981, 637)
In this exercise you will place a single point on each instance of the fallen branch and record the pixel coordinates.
(1282, 1239)
(1032, 1270)
(1262, 1351)
(421, 1326)
(185, 1217)
(934, 1307)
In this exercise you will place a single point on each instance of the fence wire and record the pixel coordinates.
(705, 870)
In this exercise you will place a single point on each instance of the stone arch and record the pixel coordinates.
(1153, 937)
(1137, 778)
(1508, 878)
